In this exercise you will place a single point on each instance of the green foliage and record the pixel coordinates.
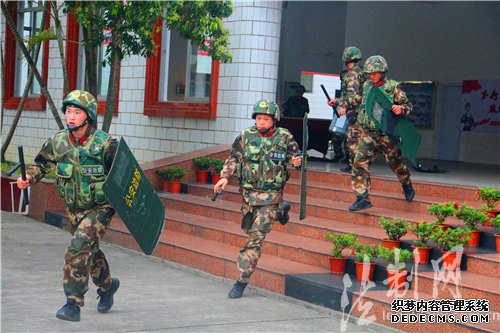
(394, 228)
(203, 163)
(171, 173)
(495, 222)
(489, 196)
(451, 238)
(471, 217)
(443, 210)
(423, 231)
(396, 258)
(7, 165)
(365, 252)
(341, 242)
(218, 165)
(47, 34)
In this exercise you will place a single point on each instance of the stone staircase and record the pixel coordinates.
(206, 235)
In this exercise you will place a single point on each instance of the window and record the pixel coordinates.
(181, 80)
(75, 61)
(27, 16)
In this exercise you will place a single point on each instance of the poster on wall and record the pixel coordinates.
(480, 106)
(422, 95)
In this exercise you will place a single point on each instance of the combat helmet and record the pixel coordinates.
(375, 64)
(83, 100)
(267, 107)
(351, 53)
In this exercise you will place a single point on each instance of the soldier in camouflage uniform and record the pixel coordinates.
(81, 157)
(349, 101)
(373, 140)
(259, 156)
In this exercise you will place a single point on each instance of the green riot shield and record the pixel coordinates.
(132, 196)
(399, 129)
(303, 170)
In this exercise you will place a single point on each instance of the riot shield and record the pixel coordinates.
(303, 170)
(134, 199)
(399, 129)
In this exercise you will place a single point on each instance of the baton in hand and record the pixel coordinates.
(23, 172)
(328, 98)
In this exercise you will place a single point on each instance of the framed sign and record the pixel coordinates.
(422, 95)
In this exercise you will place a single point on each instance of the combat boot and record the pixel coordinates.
(237, 290)
(106, 297)
(346, 168)
(360, 204)
(409, 192)
(70, 311)
(285, 216)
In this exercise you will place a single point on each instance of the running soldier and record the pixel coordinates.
(82, 157)
(261, 153)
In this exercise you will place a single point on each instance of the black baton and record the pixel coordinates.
(328, 98)
(23, 172)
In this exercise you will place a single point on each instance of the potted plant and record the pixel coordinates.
(340, 242)
(442, 211)
(365, 265)
(172, 177)
(472, 219)
(397, 260)
(421, 248)
(395, 229)
(451, 242)
(202, 165)
(495, 222)
(489, 196)
(217, 166)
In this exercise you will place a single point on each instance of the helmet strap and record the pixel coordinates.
(76, 128)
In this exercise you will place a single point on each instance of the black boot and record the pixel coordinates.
(70, 311)
(360, 204)
(409, 192)
(106, 297)
(346, 168)
(237, 290)
(337, 158)
(285, 216)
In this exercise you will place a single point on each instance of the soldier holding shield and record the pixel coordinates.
(374, 140)
(82, 157)
(261, 153)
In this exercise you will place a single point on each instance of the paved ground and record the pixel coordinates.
(154, 296)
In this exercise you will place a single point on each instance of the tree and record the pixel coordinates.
(132, 25)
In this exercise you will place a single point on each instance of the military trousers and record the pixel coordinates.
(262, 218)
(353, 135)
(83, 258)
(371, 143)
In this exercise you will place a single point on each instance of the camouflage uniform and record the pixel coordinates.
(260, 162)
(81, 168)
(373, 140)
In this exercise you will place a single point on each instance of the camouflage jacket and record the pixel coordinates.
(396, 95)
(81, 167)
(352, 90)
(260, 163)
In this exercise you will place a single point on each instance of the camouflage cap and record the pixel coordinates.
(375, 64)
(351, 53)
(267, 107)
(82, 99)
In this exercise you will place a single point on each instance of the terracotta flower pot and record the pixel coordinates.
(174, 187)
(396, 279)
(215, 178)
(474, 238)
(364, 271)
(497, 236)
(202, 176)
(451, 260)
(391, 244)
(337, 265)
(421, 254)
(164, 185)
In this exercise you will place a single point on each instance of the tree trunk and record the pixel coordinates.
(2, 89)
(55, 9)
(26, 91)
(32, 65)
(112, 85)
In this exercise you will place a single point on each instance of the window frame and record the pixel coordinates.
(33, 102)
(72, 45)
(179, 109)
